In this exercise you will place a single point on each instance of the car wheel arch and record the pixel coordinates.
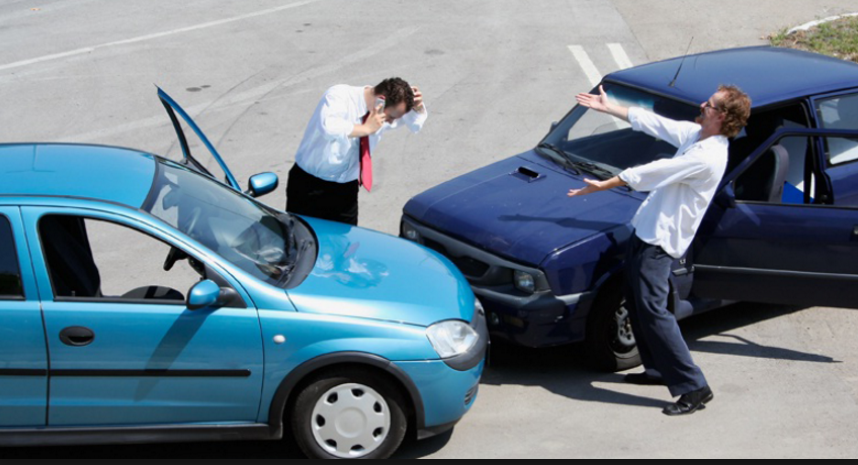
(308, 371)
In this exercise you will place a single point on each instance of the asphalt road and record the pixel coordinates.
(495, 75)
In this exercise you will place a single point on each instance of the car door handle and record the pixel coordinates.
(77, 336)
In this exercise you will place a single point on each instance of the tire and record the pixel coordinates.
(349, 413)
(610, 345)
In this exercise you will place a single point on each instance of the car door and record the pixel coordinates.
(840, 112)
(793, 248)
(124, 347)
(23, 354)
(206, 159)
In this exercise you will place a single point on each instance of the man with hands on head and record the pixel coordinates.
(335, 157)
(681, 190)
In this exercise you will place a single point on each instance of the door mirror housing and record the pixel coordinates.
(207, 294)
(262, 184)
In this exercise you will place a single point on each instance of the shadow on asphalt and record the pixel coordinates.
(563, 370)
(560, 370)
(257, 450)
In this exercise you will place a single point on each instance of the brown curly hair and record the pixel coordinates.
(396, 91)
(736, 105)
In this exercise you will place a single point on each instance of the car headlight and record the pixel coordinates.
(452, 338)
(411, 234)
(525, 282)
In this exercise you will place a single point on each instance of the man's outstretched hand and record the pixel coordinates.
(596, 102)
(602, 104)
(592, 188)
(597, 186)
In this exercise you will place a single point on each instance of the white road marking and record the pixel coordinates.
(587, 64)
(256, 94)
(620, 56)
(85, 50)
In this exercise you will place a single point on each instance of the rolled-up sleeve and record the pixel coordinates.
(415, 120)
(661, 173)
(674, 132)
(334, 117)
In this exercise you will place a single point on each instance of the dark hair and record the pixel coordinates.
(396, 91)
(737, 106)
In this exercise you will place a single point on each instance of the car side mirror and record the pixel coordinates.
(262, 184)
(726, 199)
(554, 126)
(208, 294)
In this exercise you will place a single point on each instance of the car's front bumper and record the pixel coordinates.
(447, 394)
(541, 319)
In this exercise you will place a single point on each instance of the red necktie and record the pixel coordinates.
(365, 161)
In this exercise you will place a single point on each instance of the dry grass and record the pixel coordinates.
(838, 39)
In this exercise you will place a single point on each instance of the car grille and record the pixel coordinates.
(468, 266)
(471, 395)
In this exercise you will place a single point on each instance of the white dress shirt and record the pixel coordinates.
(682, 188)
(327, 152)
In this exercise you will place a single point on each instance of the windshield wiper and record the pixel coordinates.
(594, 169)
(563, 158)
(553, 148)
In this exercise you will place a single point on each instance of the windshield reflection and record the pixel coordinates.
(339, 259)
(604, 145)
(249, 235)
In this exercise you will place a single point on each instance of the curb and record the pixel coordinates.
(813, 24)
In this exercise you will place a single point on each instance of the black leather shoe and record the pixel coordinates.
(690, 403)
(643, 379)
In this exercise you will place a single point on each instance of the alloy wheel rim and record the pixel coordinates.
(624, 341)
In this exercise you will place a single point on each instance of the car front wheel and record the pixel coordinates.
(349, 414)
(610, 344)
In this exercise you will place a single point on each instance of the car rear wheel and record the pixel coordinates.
(349, 414)
(610, 344)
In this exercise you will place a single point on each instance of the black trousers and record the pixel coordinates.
(659, 339)
(310, 196)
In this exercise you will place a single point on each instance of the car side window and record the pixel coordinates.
(840, 113)
(10, 272)
(781, 175)
(99, 260)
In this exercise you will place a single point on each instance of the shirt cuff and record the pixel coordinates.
(630, 177)
(415, 120)
(634, 118)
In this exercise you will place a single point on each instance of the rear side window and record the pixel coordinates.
(10, 272)
(840, 113)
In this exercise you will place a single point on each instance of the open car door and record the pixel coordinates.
(201, 162)
(768, 240)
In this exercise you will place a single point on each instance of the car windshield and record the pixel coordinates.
(603, 145)
(251, 236)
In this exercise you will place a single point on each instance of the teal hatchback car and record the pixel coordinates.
(148, 300)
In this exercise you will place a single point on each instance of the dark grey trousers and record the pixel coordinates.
(660, 342)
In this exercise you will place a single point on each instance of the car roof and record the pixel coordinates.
(110, 174)
(769, 75)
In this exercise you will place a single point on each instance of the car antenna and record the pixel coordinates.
(673, 83)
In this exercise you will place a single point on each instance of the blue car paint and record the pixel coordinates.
(145, 337)
(107, 173)
(362, 273)
(394, 290)
(444, 390)
(391, 333)
(580, 246)
(23, 399)
(770, 75)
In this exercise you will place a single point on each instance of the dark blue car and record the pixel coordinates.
(782, 230)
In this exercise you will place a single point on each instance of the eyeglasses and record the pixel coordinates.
(709, 105)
